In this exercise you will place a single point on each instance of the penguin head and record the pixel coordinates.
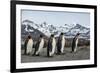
(41, 36)
(52, 35)
(62, 33)
(78, 34)
(29, 37)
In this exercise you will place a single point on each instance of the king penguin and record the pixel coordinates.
(28, 45)
(51, 46)
(61, 44)
(75, 42)
(39, 46)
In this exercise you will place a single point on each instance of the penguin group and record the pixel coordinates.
(53, 46)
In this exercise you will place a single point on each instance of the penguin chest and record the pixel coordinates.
(53, 43)
(30, 44)
(76, 42)
(41, 44)
(63, 41)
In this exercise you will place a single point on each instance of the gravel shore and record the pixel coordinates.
(83, 53)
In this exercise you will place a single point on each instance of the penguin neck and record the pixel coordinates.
(53, 39)
(77, 37)
(30, 39)
(41, 39)
(62, 37)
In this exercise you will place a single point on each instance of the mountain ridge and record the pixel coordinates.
(48, 29)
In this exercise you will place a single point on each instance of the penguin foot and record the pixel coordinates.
(33, 54)
(58, 53)
(37, 55)
(24, 54)
(28, 54)
(50, 56)
(71, 51)
(63, 53)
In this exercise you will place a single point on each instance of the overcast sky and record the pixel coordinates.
(56, 18)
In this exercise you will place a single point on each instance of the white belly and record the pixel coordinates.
(76, 43)
(41, 44)
(29, 45)
(53, 45)
(62, 43)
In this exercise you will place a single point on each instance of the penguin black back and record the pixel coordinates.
(49, 46)
(74, 41)
(59, 43)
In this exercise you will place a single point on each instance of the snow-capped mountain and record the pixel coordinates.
(78, 29)
(48, 29)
